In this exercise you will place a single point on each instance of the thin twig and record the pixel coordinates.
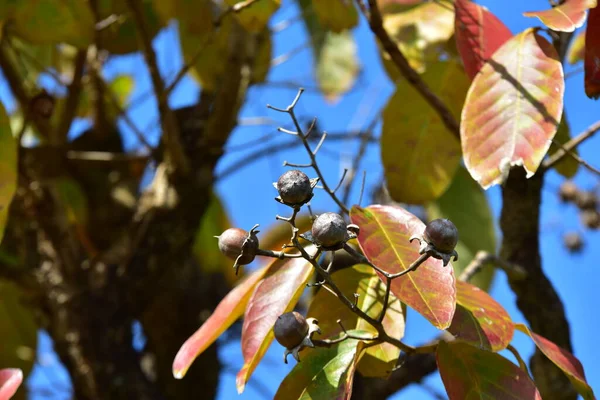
(571, 145)
(576, 157)
(522, 363)
(483, 258)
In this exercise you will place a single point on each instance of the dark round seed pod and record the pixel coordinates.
(329, 229)
(568, 191)
(290, 329)
(586, 200)
(441, 234)
(294, 187)
(590, 219)
(42, 105)
(573, 242)
(231, 242)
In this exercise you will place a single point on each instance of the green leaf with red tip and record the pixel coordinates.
(384, 239)
(274, 295)
(8, 168)
(479, 33)
(576, 51)
(471, 373)
(336, 15)
(324, 374)
(564, 360)
(10, 380)
(591, 64)
(565, 17)
(227, 312)
(513, 109)
(432, 154)
(361, 279)
(480, 320)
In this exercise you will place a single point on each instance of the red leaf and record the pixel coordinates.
(10, 380)
(384, 235)
(566, 17)
(513, 109)
(480, 320)
(471, 373)
(479, 33)
(564, 360)
(276, 294)
(227, 312)
(592, 54)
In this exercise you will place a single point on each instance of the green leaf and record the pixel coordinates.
(274, 295)
(361, 279)
(471, 373)
(564, 360)
(567, 166)
(73, 199)
(465, 204)
(480, 320)
(255, 17)
(336, 15)
(18, 336)
(8, 168)
(324, 374)
(577, 48)
(121, 87)
(430, 154)
(384, 239)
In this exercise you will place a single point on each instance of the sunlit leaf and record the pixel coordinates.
(327, 309)
(592, 54)
(564, 360)
(336, 15)
(567, 166)
(255, 17)
(566, 17)
(480, 320)
(10, 380)
(227, 312)
(274, 295)
(8, 168)
(430, 153)
(513, 109)
(479, 33)
(465, 204)
(471, 373)
(325, 374)
(576, 51)
(394, 6)
(384, 239)
(418, 30)
(18, 335)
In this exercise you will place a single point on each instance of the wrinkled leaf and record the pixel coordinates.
(8, 168)
(336, 15)
(564, 360)
(431, 153)
(513, 109)
(576, 51)
(383, 238)
(276, 294)
(567, 166)
(10, 380)
(325, 374)
(592, 54)
(418, 32)
(479, 33)
(18, 335)
(227, 312)
(337, 64)
(327, 309)
(566, 17)
(471, 373)
(255, 17)
(465, 204)
(480, 320)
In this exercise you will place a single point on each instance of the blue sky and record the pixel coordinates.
(575, 277)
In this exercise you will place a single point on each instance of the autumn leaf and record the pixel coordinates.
(513, 109)
(469, 373)
(479, 33)
(592, 54)
(564, 360)
(566, 17)
(8, 168)
(10, 380)
(576, 51)
(384, 239)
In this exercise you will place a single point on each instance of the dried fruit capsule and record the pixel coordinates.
(42, 105)
(568, 191)
(232, 241)
(294, 187)
(590, 218)
(573, 242)
(290, 329)
(586, 200)
(329, 230)
(442, 234)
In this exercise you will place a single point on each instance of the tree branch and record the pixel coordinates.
(571, 145)
(72, 102)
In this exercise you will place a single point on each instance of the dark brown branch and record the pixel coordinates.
(72, 102)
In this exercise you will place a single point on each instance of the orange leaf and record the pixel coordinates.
(480, 320)
(564, 360)
(566, 17)
(383, 238)
(276, 294)
(513, 109)
(10, 380)
(592, 54)
(479, 33)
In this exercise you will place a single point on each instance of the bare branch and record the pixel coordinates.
(571, 145)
